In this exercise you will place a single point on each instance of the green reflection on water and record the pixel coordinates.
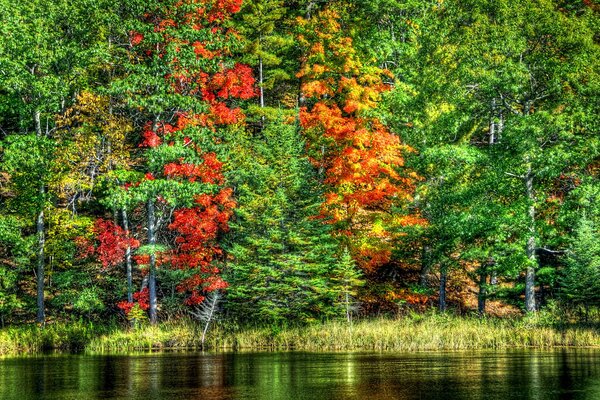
(523, 374)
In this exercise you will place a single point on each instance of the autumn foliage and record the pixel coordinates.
(361, 160)
(192, 43)
(113, 242)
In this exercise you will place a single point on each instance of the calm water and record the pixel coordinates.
(561, 374)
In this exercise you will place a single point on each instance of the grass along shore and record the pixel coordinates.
(412, 333)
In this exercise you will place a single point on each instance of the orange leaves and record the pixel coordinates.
(363, 156)
(317, 89)
(135, 38)
(221, 114)
(362, 160)
(202, 52)
(237, 82)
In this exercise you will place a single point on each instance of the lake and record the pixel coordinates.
(515, 374)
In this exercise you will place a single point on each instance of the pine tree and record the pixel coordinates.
(282, 253)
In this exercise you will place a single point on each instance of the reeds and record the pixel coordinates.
(410, 333)
(71, 337)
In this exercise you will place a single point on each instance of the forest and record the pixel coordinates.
(292, 162)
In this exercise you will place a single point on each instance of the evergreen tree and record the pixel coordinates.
(283, 256)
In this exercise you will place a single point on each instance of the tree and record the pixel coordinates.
(580, 279)
(347, 279)
(184, 82)
(536, 97)
(283, 257)
(514, 81)
(43, 60)
(359, 159)
(13, 255)
(267, 44)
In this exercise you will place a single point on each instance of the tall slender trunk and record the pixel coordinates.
(425, 266)
(128, 258)
(492, 136)
(40, 231)
(531, 256)
(443, 281)
(210, 316)
(152, 272)
(40, 227)
(348, 313)
(482, 295)
(260, 82)
(322, 163)
(37, 120)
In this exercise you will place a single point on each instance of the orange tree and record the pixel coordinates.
(359, 160)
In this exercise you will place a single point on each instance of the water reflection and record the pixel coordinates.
(560, 374)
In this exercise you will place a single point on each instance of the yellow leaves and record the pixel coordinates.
(92, 141)
(435, 111)
(316, 89)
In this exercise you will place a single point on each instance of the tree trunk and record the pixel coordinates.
(38, 123)
(260, 82)
(348, 313)
(128, 258)
(425, 267)
(152, 272)
(492, 136)
(443, 281)
(41, 314)
(481, 297)
(531, 256)
(40, 231)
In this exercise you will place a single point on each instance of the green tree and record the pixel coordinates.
(284, 256)
(580, 280)
(48, 50)
(14, 250)
(346, 278)
(516, 81)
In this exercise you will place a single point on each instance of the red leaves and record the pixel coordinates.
(151, 139)
(198, 229)
(125, 306)
(207, 172)
(237, 82)
(180, 40)
(194, 299)
(113, 242)
(135, 38)
(142, 298)
(221, 8)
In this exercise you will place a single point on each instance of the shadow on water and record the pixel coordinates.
(516, 374)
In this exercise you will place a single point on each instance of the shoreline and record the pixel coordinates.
(412, 333)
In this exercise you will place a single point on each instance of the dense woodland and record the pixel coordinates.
(279, 162)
